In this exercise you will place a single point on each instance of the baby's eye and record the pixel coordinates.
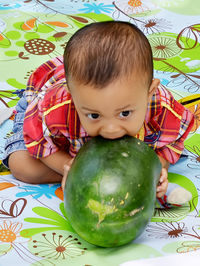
(93, 116)
(125, 114)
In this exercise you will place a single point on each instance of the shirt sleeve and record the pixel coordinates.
(45, 125)
(37, 136)
(52, 68)
(173, 149)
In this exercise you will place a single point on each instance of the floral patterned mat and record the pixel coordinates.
(34, 229)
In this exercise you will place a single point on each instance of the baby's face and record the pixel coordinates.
(114, 111)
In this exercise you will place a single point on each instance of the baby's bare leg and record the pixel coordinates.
(31, 170)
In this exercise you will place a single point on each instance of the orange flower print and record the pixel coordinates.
(9, 231)
(135, 3)
(133, 6)
(195, 109)
(11, 239)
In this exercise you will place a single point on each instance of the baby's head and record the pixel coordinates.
(109, 72)
(102, 52)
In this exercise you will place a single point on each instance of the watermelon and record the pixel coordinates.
(110, 190)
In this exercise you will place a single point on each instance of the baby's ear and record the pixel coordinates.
(154, 85)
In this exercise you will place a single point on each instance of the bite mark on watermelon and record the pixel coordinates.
(133, 212)
(100, 209)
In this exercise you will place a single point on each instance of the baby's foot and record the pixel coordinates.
(177, 195)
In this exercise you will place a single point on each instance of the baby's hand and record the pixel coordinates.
(163, 183)
(66, 170)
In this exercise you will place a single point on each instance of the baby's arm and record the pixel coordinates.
(57, 161)
(175, 193)
(163, 182)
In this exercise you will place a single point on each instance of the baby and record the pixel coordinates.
(105, 86)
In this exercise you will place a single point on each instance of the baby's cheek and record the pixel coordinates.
(92, 131)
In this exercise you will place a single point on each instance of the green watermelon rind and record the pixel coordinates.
(85, 200)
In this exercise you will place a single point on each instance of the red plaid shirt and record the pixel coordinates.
(52, 123)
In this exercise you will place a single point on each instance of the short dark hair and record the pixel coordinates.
(101, 52)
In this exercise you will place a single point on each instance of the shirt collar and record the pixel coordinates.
(154, 109)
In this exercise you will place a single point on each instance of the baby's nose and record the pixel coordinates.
(111, 131)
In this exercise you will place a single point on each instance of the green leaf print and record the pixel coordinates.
(13, 82)
(53, 218)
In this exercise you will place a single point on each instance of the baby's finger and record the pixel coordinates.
(66, 170)
(163, 186)
(163, 175)
(70, 162)
(161, 190)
